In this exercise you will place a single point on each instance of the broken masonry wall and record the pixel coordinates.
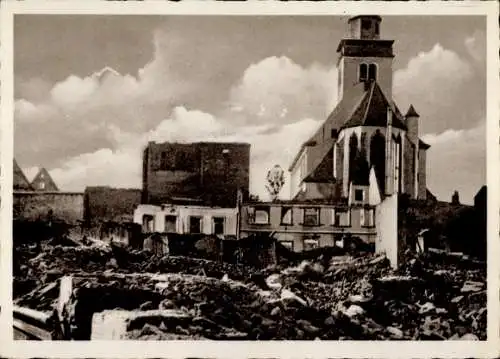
(194, 245)
(109, 204)
(386, 222)
(44, 206)
(210, 171)
(257, 251)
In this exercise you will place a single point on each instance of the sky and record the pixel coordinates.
(92, 90)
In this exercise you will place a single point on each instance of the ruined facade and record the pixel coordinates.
(306, 226)
(103, 203)
(200, 173)
(365, 131)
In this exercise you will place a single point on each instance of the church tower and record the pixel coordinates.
(364, 57)
(366, 133)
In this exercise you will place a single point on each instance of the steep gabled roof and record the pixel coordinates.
(20, 182)
(323, 171)
(43, 181)
(334, 120)
(411, 112)
(372, 111)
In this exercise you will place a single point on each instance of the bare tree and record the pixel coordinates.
(275, 181)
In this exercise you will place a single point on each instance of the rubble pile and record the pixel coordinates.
(344, 297)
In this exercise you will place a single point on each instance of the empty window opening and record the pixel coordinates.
(311, 216)
(367, 217)
(148, 223)
(341, 217)
(372, 72)
(258, 215)
(218, 223)
(170, 224)
(286, 215)
(363, 72)
(310, 243)
(359, 195)
(287, 244)
(195, 225)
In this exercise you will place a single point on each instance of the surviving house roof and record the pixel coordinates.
(20, 182)
(43, 181)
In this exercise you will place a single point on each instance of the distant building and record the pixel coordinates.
(200, 173)
(44, 182)
(20, 182)
(366, 129)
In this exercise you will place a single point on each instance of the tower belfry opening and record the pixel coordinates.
(365, 27)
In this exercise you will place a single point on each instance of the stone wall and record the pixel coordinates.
(60, 206)
(386, 222)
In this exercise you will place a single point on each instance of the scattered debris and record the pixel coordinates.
(115, 292)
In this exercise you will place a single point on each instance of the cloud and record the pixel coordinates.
(121, 167)
(113, 115)
(438, 83)
(457, 161)
(279, 90)
(476, 46)
(91, 130)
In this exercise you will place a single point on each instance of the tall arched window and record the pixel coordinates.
(353, 152)
(363, 72)
(397, 164)
(377, 158)
(363, 142)
(372, 72)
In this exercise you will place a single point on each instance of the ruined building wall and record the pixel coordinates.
(107, 204)
(33, 206)
(212, 172)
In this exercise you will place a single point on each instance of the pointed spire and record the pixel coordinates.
(411, 112)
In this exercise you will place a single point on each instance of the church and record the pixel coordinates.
(366, 138)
